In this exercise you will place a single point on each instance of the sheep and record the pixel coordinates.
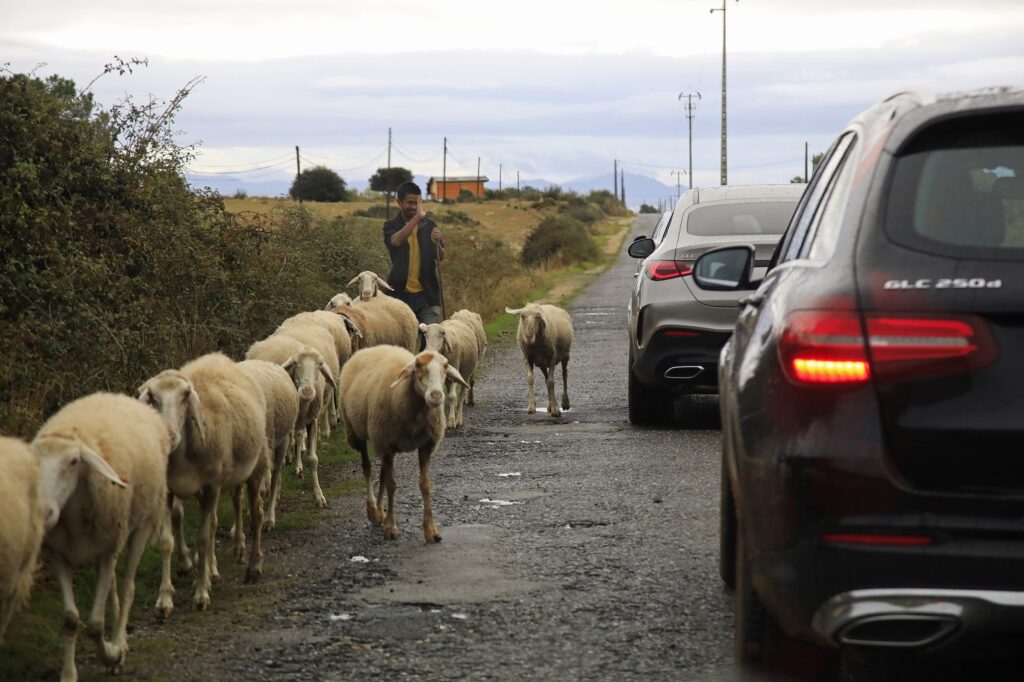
(458, 343)
(21, 527)
(103, 484)
(476, 323)
(370, 284)
(383, 321)
(310, 375)
(338, 299)
(395, 400)
(282, 413)
(324, 341)
(545, 336)
(217, 418)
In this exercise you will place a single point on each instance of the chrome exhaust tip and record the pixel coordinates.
(683, 372)
(897, 630)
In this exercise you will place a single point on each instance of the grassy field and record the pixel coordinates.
(34, 642)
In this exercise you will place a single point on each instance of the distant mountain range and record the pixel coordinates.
(639, 188)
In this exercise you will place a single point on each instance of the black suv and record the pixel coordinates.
(872, 395)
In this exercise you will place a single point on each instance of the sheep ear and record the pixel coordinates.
(446, 348)
(100, 465)
(354, 280)
(406, 371)
(454, 375)
(423, 327)
(195, 413)
(510, 311)
(383, 283)
(143, 395)
(330, 304)
(326, 371)
(289, 363)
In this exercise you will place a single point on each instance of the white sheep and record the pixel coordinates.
(338, 299)
(545, 336)
(370, 284)
(103, 483)
(395, 400)
(217, 418)
(456, 341)
(282, 413)
(345, 334)
(383, 321)
(476, 323)
(310, 376)
(318, 337)
(21, 527)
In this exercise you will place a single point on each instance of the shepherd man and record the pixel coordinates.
(416, 246)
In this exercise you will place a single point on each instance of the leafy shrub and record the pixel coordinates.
(241, 194)
(388, 179)
(466, 195)
(559, 238)
(585, 213)
(608, 203)
(376, 211)
(647, 208)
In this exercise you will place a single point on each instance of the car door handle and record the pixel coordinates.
(754, 300)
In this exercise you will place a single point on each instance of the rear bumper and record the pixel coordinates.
(686, 364)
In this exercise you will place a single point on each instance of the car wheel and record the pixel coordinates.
(726, 530)
(647, 406)
(760, 645)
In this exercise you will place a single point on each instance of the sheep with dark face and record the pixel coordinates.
(395, 400)
(545, 336)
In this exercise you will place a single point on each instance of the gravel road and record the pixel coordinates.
(574, 548)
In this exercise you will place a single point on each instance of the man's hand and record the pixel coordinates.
(435, 235)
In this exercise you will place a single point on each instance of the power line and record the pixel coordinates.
(237, 172)
(275, 160)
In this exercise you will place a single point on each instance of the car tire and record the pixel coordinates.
(726, 529)
(760, 645)
(647, 406)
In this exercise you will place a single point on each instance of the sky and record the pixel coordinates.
(549, 89)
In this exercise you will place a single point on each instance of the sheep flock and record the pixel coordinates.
(107, 474)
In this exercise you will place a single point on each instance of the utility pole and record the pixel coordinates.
(387, 194)
(444, 170)
(479, 188)
(298, 173)
(677, 173)
(807, 178)
(499, 177)
(690, 109)
(622, 185)
(517, 181)
(615, 178)
(725, 156)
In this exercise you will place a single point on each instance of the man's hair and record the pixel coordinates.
(407, 188)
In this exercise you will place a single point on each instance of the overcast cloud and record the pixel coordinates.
(560, 91)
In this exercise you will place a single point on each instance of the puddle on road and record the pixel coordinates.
(510, 474)
(498, 504)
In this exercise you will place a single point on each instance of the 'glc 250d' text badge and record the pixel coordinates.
(944, 283)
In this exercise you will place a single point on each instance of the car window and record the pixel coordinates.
(824, 229)
(740, 218)
(662, 227)
(959, 189)
(811, 201)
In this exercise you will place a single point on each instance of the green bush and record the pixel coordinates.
(585, 213)
(559, 238)
(377, 211)
(607, 202)
(318, 184)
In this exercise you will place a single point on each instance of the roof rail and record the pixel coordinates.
(919, 96)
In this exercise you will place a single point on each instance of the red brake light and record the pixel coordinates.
(820, 346)
(878, 539)
(824, 347)
(659, 270)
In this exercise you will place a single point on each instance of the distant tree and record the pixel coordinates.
(795, 179)
(318, 184)
(388, 179)
(815, 160)
(647, 208)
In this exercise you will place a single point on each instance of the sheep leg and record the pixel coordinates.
(430, 533)
(549, 382)
(314, 462)
(460, 400)
(67, 591)
(136, 546)
(280, 453)
(110, 654)
(453, 395)
(237, 534)
(471, 400)
(565, 384)
(372, 512)
(207, 506)
(255, 568)
(301, 443)
(531, 406)
(165, 600)
(387, 475)
(214, 570)
(115, 602)
(185, 563)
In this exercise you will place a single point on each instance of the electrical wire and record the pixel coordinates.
(273, 161)
(196, 171)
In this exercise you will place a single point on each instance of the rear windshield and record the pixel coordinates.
(958, 189)
(761, 217)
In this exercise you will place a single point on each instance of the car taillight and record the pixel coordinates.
(659, 270)
(830, 347)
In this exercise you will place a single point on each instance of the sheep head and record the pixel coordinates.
(428, 371)
(303, 368)
(436, 339)
(531, 322)
(172, 395)
(337, 300)
(370, 284)
(63, 462)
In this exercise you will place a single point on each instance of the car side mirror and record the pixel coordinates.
(641, 247)
(726, 268)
